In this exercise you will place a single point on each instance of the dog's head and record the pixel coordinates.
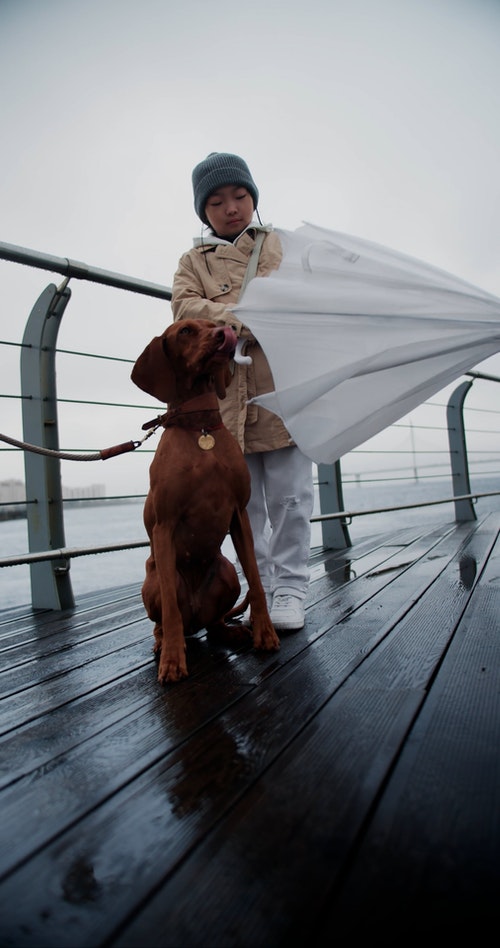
(191, 356)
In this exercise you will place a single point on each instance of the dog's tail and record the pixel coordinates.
(238, 609)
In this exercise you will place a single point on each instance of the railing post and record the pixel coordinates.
(50, 581)
(464, 509)
(335, 533)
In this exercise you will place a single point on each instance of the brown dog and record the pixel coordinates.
(199, 489)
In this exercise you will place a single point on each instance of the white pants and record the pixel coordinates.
(280, 510)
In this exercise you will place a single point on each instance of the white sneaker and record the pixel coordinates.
(287, 612)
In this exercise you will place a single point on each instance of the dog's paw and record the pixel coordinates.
(264, 637)
(172, 667)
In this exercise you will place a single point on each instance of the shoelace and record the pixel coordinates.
(282, 602)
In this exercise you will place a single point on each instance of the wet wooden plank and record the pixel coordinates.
(225, 804)
(433, 844)
(290, 850)
(38, 625)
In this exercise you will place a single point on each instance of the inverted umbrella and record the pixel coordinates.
(357, 335)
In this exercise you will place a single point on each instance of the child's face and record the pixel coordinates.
(229, 210)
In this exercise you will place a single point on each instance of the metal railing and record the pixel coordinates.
(49, 558)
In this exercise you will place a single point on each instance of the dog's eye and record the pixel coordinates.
(185, 331)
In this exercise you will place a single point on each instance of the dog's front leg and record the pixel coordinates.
(263, 632)
(172, 665)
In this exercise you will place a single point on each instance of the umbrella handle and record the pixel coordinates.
(238, 355)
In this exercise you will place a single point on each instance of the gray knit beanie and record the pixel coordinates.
(216, 171)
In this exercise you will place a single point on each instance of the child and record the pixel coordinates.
(209, 277)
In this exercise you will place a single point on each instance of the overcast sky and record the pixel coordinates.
(379, 118)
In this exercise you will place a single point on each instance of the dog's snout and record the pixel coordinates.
(225, 334)
(226, 339)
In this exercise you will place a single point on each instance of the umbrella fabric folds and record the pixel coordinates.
(357, 335)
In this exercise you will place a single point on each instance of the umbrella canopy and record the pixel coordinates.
(357, 335)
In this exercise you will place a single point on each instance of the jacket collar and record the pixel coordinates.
(210, 239)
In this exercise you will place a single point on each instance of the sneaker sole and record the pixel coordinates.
(281, 626)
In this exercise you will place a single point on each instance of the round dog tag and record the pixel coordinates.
(206, 442)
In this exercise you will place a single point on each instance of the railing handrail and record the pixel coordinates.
(483, 375)
(75, 269)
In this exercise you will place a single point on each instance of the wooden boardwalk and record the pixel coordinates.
(346, 786)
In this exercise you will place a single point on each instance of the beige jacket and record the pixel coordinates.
(209, 277)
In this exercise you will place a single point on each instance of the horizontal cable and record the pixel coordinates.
(69, 552)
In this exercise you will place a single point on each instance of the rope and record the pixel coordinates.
(160, 421)
(98, 456)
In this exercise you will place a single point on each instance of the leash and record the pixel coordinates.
(97, 456)
(200, 405)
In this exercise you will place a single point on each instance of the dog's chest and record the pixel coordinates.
(185, 475)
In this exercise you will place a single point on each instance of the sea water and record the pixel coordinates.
(110, 523)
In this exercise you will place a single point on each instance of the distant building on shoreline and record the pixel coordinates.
(12, 492)
(92, 490)
(13, 496)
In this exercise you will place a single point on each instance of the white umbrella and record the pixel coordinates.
(357, 335)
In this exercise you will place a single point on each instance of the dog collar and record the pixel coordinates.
(205, 404)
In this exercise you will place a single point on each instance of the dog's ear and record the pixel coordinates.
(222, 378)
(152, 371)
